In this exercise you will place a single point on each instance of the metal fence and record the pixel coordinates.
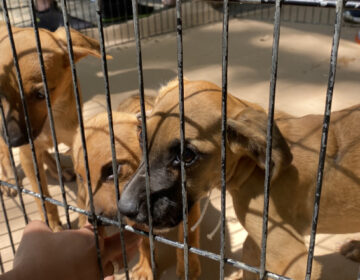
(157, 18)
(138, 29)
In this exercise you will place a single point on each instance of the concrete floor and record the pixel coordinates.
(301, 88)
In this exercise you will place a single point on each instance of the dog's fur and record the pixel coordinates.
(59, 79)
(295, 155)
(128, 155)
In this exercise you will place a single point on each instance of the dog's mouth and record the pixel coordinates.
(166, 214)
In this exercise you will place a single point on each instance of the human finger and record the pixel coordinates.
(36, 226)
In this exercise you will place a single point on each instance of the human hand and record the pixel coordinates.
(70, 254)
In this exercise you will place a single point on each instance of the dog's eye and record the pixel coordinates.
(190, 156)
(107, 172)
(40, 96)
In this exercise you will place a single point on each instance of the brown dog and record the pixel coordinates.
(296, 143)
(128, 155)
(58, 73)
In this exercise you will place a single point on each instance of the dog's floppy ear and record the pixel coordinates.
(82, 45)
(246, 133)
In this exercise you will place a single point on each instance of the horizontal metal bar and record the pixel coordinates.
(313, 3)
(161, 239)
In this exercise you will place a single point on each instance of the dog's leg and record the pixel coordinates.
(27, 165)
(142, 270)
(67, 174)
(286, 253)
(81, 202)
(194, 241)
(250, 256)
(7, 173)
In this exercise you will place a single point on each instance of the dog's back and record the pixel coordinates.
(132, 104)
(341, 182)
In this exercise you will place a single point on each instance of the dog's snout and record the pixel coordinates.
(128, 208)
(17, 137)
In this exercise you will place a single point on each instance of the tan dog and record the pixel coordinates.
(7, 173)
(296, 143)
(59, 79)
(128, 155)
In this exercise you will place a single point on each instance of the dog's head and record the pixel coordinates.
(246, 141)
(57, 69)
(128, 154)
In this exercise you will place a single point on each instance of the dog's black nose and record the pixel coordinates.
(17, 137)
(18, 140)
(128, 208)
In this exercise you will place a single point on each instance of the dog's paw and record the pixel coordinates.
(141, 272)
(351, 250)
(194, 268)
(9, 192)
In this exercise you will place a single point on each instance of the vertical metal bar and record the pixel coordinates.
(111, 130)
(118, 10)
(91, 17)
(127, 21)
(21, 12)
(161, 21)
(12, 162)
(24, 105)
(82, 133)
(76, 13)
(202, 12)
(274, 67)
(225, 41)
(7, 223)
(328, 15)
(2, 270)
(324, 136)
(49, 110)
(148, 20)
(297, 12)
(83, 10)
(167, 20)
(312, 15)
(112, 20)
(144, 134)
(180, 60)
